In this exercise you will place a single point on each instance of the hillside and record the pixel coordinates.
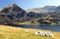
(8, 32)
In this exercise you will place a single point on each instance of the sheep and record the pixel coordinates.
(39, 33)
(49, 34)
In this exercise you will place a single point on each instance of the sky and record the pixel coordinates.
(27, 4)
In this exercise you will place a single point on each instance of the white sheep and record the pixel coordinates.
(36, 33)
(49, 34)
(39, 33)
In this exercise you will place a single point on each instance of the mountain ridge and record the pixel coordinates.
(13, 14)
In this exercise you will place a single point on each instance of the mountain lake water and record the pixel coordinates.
(52, 28)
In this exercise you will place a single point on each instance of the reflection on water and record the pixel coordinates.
(53, 28)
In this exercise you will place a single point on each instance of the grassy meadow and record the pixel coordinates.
(8, 32)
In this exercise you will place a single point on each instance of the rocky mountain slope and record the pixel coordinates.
(13, 14)
(57, 9)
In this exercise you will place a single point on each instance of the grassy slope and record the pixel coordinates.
(7, 32)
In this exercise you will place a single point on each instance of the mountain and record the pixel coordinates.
(1, 9)
(43, 9)
(15, 10)
(50, 8)
(11, 8)
(37, 10)
(11, 13)
(57, 9)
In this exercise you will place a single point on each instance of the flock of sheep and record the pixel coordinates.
(47, 34)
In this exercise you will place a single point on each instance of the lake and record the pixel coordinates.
(52, 28)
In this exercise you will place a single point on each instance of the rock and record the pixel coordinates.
(26, 30)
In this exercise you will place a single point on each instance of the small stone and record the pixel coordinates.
(26, 30)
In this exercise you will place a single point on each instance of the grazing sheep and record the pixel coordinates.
(41, 33)
(37, 33)
(46, 34)
(49, 34)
